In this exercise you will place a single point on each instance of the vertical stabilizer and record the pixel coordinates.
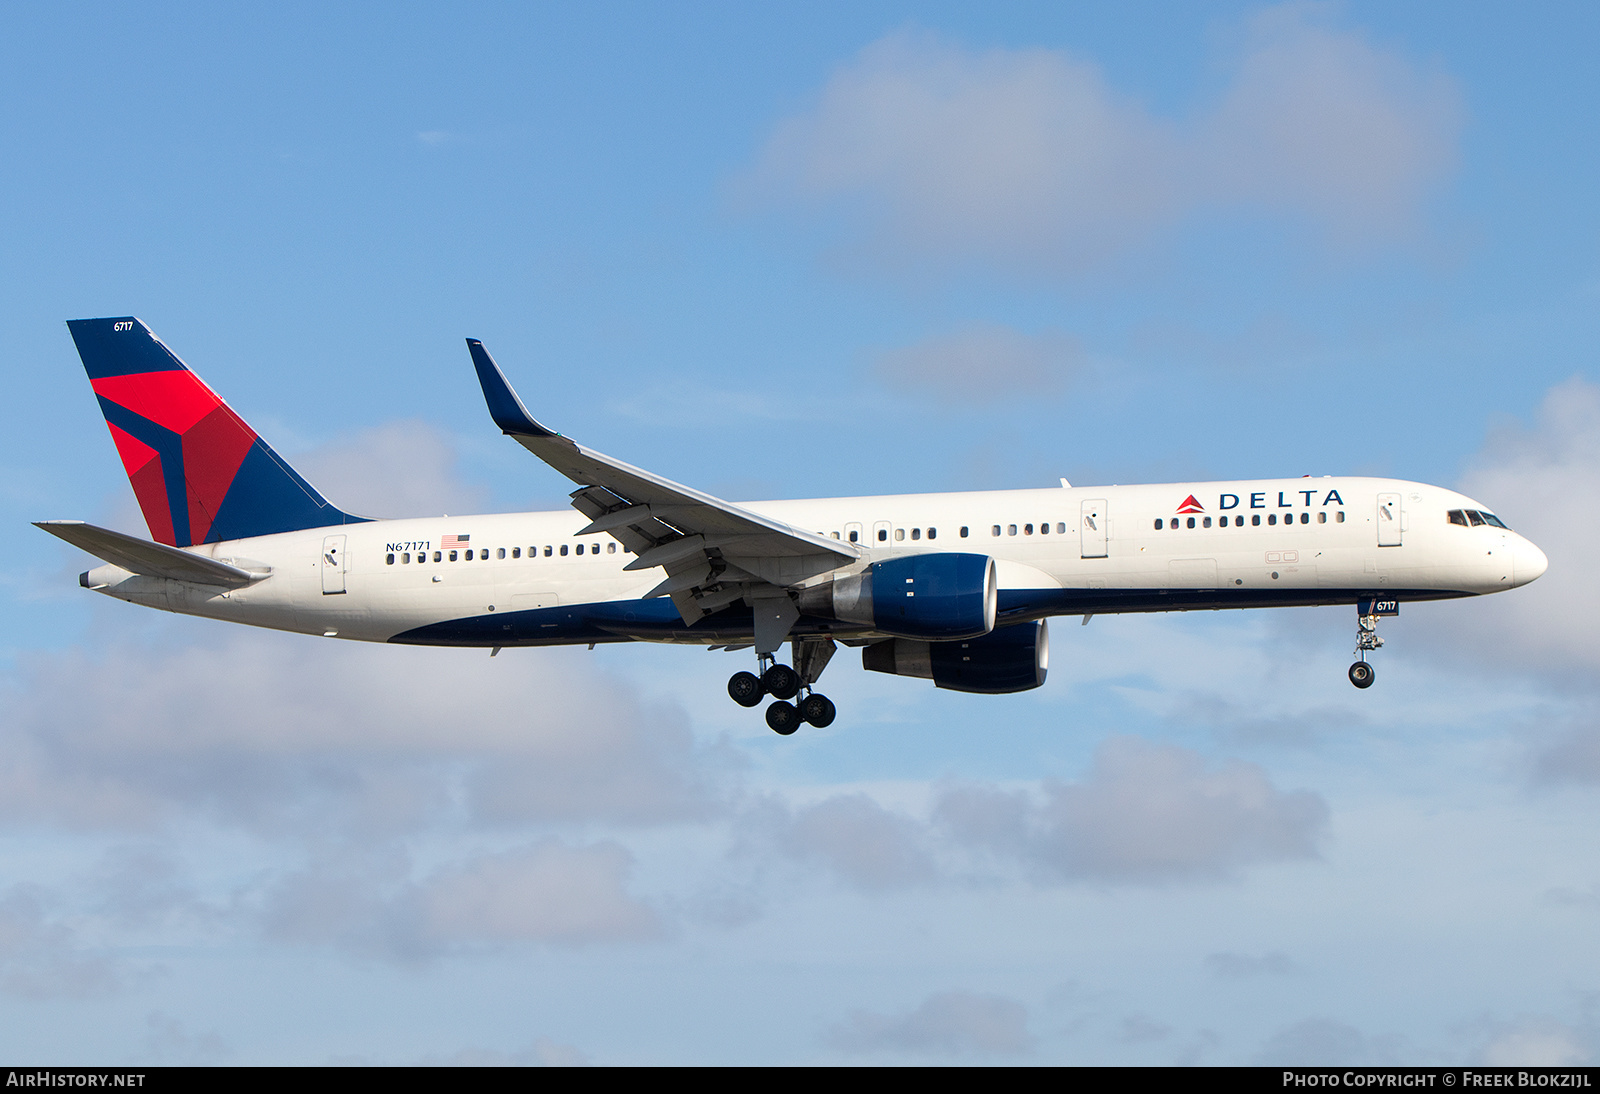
(200, 473)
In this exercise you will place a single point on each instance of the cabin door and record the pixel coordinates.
(1389, 520)
(332, 565)
(1092, 528)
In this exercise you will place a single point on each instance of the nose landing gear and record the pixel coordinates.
(1368, 612)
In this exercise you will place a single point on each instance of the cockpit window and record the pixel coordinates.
(1458, 516)
(1494, 520)
(1475, 517)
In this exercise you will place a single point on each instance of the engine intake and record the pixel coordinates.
(933, 596)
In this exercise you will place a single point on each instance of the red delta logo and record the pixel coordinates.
(1190, 505)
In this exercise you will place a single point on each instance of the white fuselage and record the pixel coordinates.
(1059, 551)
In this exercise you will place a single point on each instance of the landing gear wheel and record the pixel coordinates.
(818, 710)
(1361, 674)
(781, 682)
(783, 718)
(745, 689)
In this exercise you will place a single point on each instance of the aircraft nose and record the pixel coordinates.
(1527, 562)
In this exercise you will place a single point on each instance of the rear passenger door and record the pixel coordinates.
(1092, 528)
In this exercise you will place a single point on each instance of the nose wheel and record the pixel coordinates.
(783, 683)
(1367, 614)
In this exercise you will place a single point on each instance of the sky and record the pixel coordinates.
(810, 250)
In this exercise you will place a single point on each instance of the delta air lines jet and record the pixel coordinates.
(953, 588)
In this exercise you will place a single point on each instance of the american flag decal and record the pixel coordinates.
(456, 541)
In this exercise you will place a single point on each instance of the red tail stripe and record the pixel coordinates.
(174, 400)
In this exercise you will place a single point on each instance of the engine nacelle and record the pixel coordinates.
(1010, 659)
(933, 596)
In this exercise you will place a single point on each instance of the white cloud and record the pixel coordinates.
(982, 362)
(1321, 1042)
(1240, 966)
(399, 469)
(546, 892)
(284, 732)
(1027, 158)
(946, 1023)
(1542, 480)
(1145, 813)
(42, 958)
(1537, 1041)
(867, 845)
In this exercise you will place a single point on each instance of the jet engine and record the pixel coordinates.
(933, 596)
(1013, 658)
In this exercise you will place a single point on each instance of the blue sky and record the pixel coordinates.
(789, 252)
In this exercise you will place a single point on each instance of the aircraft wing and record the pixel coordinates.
(141, 556)
(714, 552)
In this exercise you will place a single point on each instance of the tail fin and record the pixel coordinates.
(200, 473)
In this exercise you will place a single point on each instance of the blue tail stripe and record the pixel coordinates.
(169, 446)
(108, 352)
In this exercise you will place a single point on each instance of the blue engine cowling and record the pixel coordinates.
(932, 596)
(1010, 659)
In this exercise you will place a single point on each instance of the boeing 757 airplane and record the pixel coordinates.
(953, 588)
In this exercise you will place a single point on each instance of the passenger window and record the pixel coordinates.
(1011, 529)
(899, 535)
(1027, 529)
(452, 556)
(1159, 524)
(611, 548)
(963, 531)
(1061, 528)
(548, 550)
(580, 548)
(1191, 522)
(883, 535)
(1272, 518)
(1044, 528)
(916, 533)
(437, 556)
(854, 536)
(933, 533)
(1255, 520)
(390, 560)
(1305, 518)
(469, 555)
(563, 550)
(1322, 517)
(834, 534)
(1206, 523)
(1338, 518)
(997, 529)
(500, 552)
(516, 552)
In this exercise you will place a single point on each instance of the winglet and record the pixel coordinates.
(504, 406)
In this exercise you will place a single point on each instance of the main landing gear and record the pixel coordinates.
(1367, 640)
(784, 683)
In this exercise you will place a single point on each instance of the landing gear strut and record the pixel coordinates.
(1367, 640)
(784, 683)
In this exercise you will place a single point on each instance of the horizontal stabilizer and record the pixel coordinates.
(140, 556)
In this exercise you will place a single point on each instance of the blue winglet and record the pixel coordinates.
(504, 406)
